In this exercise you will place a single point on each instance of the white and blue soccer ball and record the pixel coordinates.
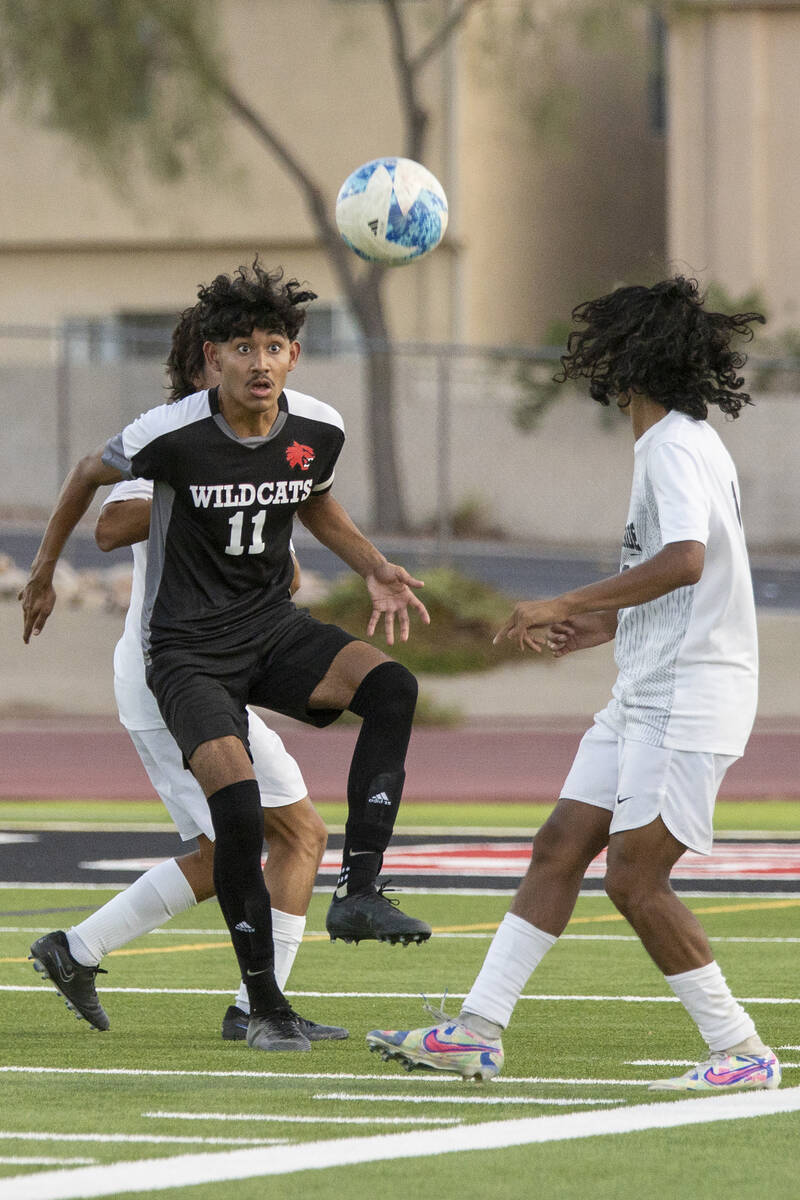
(391, 211)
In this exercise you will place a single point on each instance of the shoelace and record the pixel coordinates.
(94, 970)
(439, 1013)
(285, 1018)
(380, 892)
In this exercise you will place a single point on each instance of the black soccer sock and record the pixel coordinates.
(238, 822)
(385, 700)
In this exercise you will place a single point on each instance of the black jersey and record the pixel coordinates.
(221, 522)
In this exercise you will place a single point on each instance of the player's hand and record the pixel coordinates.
(528, 617)
(580, 633)
(390, 589)
(38, 599)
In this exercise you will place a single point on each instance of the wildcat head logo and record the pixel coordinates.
(298, 455)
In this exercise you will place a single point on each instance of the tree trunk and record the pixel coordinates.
(388, 506)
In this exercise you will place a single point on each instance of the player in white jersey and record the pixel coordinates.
(646, 775)
(294, 832)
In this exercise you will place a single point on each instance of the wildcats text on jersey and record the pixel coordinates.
(244, 495)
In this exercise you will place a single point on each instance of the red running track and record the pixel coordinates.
(96, 760)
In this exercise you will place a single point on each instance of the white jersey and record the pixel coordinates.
(277, 774)
(688, 661)
(136, 703)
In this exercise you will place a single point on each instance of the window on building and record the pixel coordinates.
(126, 335)
(657, 74)
(328, 327)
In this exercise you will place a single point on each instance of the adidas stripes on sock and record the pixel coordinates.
(287, 934)
(241, 891)
(385, 700)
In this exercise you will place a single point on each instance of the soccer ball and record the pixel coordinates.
(391, 211)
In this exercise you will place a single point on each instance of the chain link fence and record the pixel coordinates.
(487, 446)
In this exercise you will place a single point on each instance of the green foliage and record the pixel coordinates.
(465, 616)
(131, 81)
(538, 389)
(719, 299)
(775, 357)
(531, 49)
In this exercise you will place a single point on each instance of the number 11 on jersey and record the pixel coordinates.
(235, 545)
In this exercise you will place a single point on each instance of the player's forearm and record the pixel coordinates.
(331, 525)
(123, 523)
(74, 499)
(679, 564)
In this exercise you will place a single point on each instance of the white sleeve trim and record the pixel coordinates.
(129, 489)
(315, 410)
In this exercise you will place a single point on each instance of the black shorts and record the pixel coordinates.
(202, 691)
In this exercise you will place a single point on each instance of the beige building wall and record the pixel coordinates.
(733, 177)
(563, 193)
(536, 221)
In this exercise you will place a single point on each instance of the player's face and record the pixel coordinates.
(253, 370)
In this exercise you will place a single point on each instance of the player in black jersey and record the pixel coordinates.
(231, 466)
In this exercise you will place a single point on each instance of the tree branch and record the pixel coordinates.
(442, 35)
(415, 116)
(316, 200)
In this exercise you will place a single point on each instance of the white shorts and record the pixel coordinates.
(638, 782)
(277, 773)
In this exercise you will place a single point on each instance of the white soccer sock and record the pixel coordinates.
(705, 995)
(161, 893)
(516, 950)
(287, 934)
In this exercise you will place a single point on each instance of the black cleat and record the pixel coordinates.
(235, 1022)
(370, 915)
(278, 1030)
(51, 958)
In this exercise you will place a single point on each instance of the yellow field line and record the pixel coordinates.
(223, 944)
(485, 926)
(716, 908)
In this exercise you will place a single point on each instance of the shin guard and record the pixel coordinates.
(243, 897)
(385, 701)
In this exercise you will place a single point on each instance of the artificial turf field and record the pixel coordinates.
(160, 1099)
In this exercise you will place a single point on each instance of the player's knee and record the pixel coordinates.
(554, 850)
(547, 847)
(389, 690)
(198, 869)
(296, 831)
(315, 834)
(623, 886)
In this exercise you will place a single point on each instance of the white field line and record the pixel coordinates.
(186, 1170)
(337, 1076)
(112, 886)
(41, 987)
(590, 894)
(574, 1102)
(687, 1062)
(11, 1135)
(13, 1160)
(316, 934)
(281, 1118)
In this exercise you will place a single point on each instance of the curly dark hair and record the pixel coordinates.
(186, 360)
(660, 341)
(252, 298)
